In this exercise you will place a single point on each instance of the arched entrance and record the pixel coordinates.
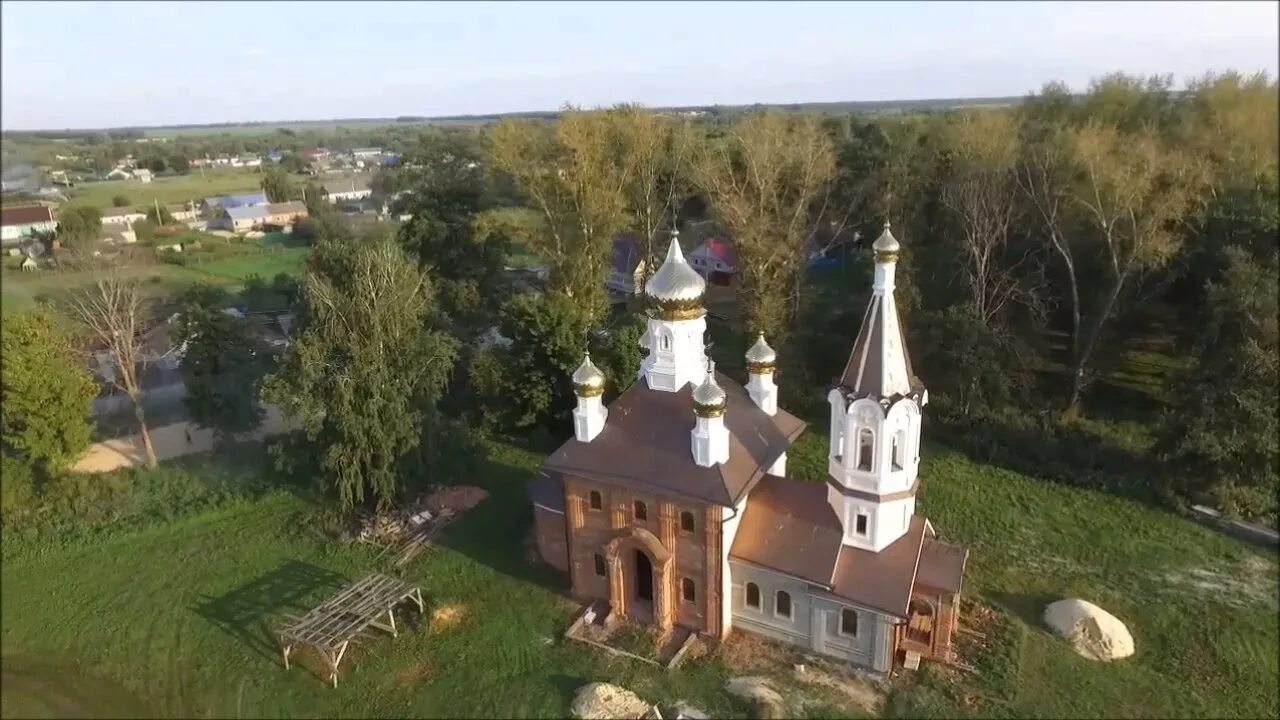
(640, 578)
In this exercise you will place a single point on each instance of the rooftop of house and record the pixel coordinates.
(230, 201)
(719, 248)
(122, 212)
(293, 206)
(346, 184)
(246, 212)
(645, 444)
(25, 215)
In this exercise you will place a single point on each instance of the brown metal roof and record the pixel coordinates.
(789, 527)
(863, 374)
(25, 215)
(941, 565)
(645, 444)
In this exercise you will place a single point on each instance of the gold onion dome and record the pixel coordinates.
(676, 288)
(588, 380)
(886, 246)
(761, 357)
(709, 397)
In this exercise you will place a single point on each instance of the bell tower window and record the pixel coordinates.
(866, 448)
(899, 449)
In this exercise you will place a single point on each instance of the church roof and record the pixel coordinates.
(790, 528)
(645, 445)
(675, 280)
(879, 363)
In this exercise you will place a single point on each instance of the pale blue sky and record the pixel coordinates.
(105, 64)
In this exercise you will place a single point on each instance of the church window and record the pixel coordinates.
(600, 568)
(837, 430)
(686, 521)
(899, 449)
(687, 590)
(596, 501)
(782, 604)
(753, 596)
(664, 341)
(860, 524)
(849, 623)
(866, 445)
(642, 512)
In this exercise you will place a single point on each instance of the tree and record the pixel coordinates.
(115, 314)
(120, 201)
(980, 192)
(156, 164)
(292, 163)
(223, 364)
(657, 152)
(79, 225)
(280, 295)
(316, 199)
(277, 185)
(179, 164)
(160, 215)
(1218, 439)
(573, 180)
(364, 373)
(47, 393)
(766, 183)
(1133, 192)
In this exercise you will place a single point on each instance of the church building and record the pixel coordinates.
(673, 505)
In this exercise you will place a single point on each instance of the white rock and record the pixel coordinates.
(753, 688)
(1092, 631)
(603, 701)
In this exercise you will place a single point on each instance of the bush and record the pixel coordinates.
(17, 486)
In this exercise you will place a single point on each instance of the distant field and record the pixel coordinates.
(174, 189)
(270, 128)
(22, 290)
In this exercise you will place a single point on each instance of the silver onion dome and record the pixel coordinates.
(588, 379)
(675, 280)
(886, 243)
(760, 354)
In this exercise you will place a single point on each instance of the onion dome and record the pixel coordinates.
(886, 246)
(709, 397)
(676, 288)
(588, 380)
(760, 357)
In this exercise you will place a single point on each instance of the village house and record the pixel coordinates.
(183, 212)
(283, 214)
(23, 222)
(715, 260)
(230, 201)
(626, 266)
(239, 218)
(118, 173)
(347, 189)
(142, 174)
(125, 216)
(672, 505)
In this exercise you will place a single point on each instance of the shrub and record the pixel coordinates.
(16, 485)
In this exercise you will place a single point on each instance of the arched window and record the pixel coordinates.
(782, 604)
(642, 512)
(849, 622)
(687, 590)
(596, 501)
(899, 449)
(600, 566)
(837, 429)
(686, 521)
(664, 341)
(866, 448)
(753, 596)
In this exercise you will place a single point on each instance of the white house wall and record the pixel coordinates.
(730, 526)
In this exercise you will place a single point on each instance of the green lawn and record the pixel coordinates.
(169, 189)
(161, 608)
(21, 290)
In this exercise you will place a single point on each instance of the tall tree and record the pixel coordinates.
(79, 225)
(657, 151)
(223, 363)
(115, 314)
(767, 181)
(277, 184)
(47, 393)
(363, 374)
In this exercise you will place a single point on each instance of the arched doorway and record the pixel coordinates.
(640, 578)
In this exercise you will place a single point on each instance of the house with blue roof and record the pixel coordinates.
(234, 201)
(239, 218)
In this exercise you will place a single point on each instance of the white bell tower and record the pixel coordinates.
(676, 324)
(874, 453)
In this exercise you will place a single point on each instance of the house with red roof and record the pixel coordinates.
(715, 260)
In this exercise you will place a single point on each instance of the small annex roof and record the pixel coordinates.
(645, 445)
(942, 565)
(790, 528)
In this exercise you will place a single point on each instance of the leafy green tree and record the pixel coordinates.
(79, 225)
(316, 199)
(277, 185)
(1219, 439)
(223, 363)
(47, 393)
(179, 164)
(292, 163)
(120, 201)
(160, 215)
(279, 295)
(364, 373)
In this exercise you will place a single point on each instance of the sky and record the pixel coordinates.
(104, 64)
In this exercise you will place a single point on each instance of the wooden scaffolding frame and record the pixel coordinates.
(333, 625)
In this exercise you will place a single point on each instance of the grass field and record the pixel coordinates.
(169, 189)
(160, 609)
(21, 290)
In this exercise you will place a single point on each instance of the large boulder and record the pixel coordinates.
(765, 701)
(602, 701)
(1092, 631)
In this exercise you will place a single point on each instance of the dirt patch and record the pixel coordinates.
(414, 674)
(747, 652)
(848, 686)
(446, 617)
(458, 498)
(1251, 582)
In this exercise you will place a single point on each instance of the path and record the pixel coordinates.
(169, 441)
